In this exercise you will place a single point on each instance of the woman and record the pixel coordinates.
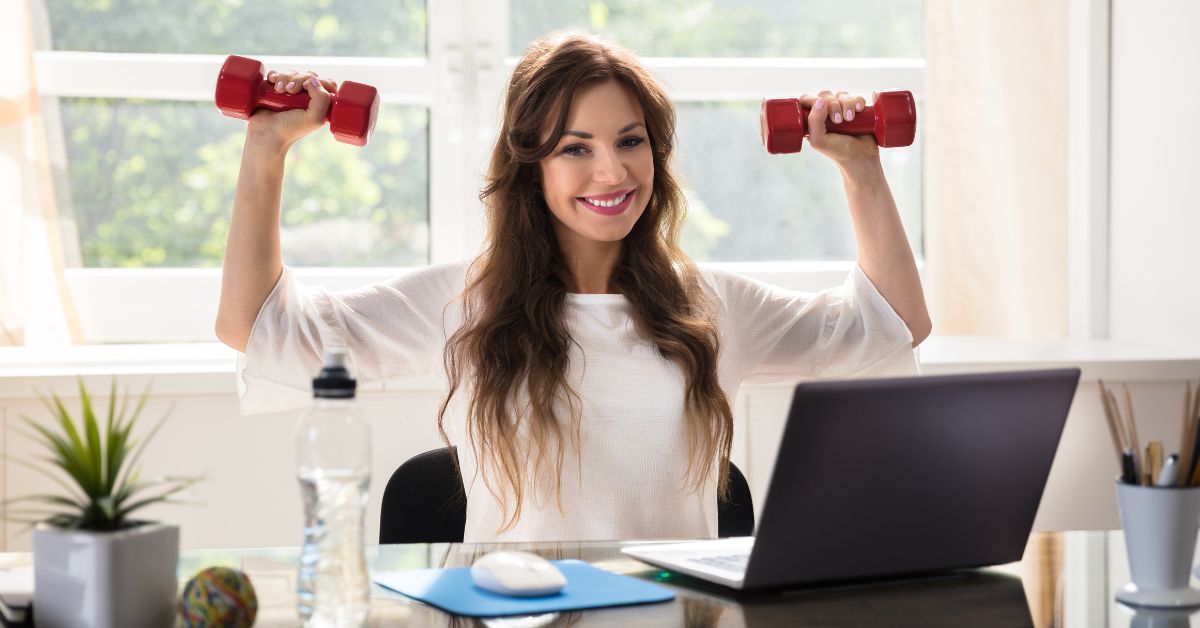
(590, 363)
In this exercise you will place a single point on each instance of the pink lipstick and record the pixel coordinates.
(604, 202)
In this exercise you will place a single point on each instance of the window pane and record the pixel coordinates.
(151, 184)
(257, 27)
(731, 28)
(748, 205)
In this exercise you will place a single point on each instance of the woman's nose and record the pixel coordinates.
(609, 168)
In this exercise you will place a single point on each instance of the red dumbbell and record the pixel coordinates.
(892, 119)
(241, 89)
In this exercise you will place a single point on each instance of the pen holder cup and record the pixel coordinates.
(1160, 526)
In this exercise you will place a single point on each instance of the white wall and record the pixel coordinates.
(1155, 172)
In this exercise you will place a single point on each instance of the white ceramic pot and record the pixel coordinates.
(122, 579)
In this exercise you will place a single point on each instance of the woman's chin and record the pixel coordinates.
(607, 235)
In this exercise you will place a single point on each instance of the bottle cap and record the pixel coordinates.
(334, 381)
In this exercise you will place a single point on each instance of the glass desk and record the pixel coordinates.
(1064, 579)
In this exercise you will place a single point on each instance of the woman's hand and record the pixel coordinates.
(284, 128)
(829, 107)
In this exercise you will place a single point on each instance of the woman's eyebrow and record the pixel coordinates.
(588, 136)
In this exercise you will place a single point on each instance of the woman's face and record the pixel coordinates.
(598, 179)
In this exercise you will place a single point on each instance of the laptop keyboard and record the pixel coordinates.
(730, 562)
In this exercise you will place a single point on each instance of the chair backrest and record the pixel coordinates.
(424, 502)
(735, 516)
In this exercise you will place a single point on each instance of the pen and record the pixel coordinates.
(1128, 468)
(1170, 470)
(1189, 472)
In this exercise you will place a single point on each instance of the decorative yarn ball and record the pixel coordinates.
(218, 596)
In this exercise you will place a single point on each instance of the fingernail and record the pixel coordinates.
(279, 86)
(849, 115)
(858, 106)
(291, 84)
(270, 76)
(312, 81)
(820, 103)
(837, 118)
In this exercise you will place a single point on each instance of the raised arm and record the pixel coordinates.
(253, 261)
(883, 250)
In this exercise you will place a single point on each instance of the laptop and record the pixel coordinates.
(897, 477)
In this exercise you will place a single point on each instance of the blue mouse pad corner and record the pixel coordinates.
(587, 587)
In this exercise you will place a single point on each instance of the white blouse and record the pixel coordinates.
(626, 481)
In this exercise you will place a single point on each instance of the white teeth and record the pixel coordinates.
(612, 203)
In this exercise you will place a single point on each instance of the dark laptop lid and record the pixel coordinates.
(885, 477)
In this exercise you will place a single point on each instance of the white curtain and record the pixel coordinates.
(36, 308)
(995, 167)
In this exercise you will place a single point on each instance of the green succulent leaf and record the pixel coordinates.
(44, 472)
(65, 456)
(95, 457)
(141, 446)
(114, 454)
(99, 460)
(124, 512)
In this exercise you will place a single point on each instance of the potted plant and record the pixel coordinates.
(95, 565)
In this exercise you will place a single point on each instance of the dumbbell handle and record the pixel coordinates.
(276, 101)
(862, 124)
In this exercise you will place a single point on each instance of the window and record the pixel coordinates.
(149, 165)
(150, 172)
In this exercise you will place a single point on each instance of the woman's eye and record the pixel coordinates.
(580, 149)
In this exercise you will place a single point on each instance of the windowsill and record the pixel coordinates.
(207, 368)
(1098, 359)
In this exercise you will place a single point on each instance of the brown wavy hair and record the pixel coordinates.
(512, 350)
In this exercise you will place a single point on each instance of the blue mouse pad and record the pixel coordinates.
(587, 587)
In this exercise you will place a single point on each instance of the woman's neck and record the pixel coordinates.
(590, 264)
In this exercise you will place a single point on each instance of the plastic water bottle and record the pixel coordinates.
(333, 462)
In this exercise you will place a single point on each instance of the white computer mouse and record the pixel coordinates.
(517, 574)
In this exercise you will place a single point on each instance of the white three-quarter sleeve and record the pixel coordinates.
(846, 331)
(392, 329)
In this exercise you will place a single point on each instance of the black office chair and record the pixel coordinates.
(424, 502)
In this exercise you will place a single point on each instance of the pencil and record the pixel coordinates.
(1195, 442)
(1128, 473)
(1190, 461)
(1186, 440)
(1195, 479)
(1113, 431)
(1114, 411)
(1121, 426)
(1133, 435)
(1154, 461)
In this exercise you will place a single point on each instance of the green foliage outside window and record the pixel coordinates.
(732, 28)
(151, 184)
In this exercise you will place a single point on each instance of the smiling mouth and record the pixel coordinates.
(608, 207)
(606, 203)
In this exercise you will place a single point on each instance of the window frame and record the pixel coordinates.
(461, 81)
